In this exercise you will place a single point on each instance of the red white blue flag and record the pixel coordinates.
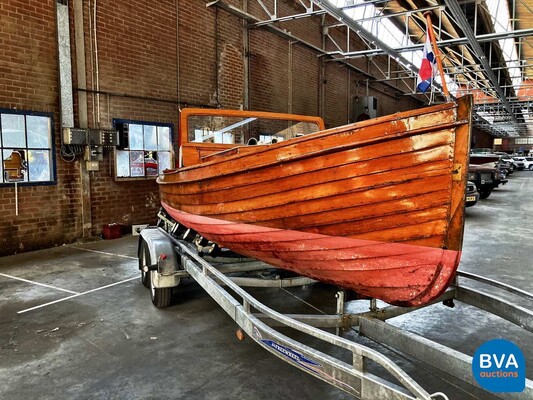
(427, 69)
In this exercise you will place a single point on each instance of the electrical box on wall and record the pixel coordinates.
(92, 137)
(102, 137)
(365, 105)
(74, 136)
(92, 165)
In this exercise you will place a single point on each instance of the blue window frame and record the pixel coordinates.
(26, 140)
(145, 149)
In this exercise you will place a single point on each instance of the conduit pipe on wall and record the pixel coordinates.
(246, 47)
(97, 78)
(217, 61)
(289, 78)
(66, 104)
(80, 63)
(91, 52)
(85, 179)
(177, 51)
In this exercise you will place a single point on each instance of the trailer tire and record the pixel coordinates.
(161, 297)
(144, 259)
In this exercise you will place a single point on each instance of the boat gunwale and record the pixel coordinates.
(322, 134)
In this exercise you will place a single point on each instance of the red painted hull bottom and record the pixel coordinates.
(400, 274)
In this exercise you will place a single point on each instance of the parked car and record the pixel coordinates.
(485, 178)
(506, 164)
(481, 150)
(518, 163)
(527, 161)
(493, 161)
(472, 195)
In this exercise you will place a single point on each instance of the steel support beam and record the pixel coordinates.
(458, 14)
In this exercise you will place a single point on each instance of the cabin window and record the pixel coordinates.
(26, 147)
(145, 149)
(245, 130)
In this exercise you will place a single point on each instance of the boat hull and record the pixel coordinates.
(376, 206)
(400, 274)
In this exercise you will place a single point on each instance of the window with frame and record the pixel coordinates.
(26, 147)
(524, 140)
(145, 149)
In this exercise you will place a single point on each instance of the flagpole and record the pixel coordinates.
(429, 29)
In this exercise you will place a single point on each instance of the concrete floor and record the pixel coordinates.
(103, 338)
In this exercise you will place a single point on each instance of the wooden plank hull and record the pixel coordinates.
(377, 206)
(397, 273)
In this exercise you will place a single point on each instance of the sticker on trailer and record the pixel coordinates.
(300, 359)
(308, 364)
(292, 355)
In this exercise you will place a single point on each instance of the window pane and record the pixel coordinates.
(13, 130)
(150, 137)
(137, 163)
(136, 137)
(150, 163)
(163, 138)
(17, 174)
(39, 165)
(164, 160)
(123, 163)
(38, 131)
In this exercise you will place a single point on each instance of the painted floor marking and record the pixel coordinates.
(39, 284)
(103, 252)
(77, 295)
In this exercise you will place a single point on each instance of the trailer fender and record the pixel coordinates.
(162, 253)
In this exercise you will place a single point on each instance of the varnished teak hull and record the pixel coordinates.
(376, 207)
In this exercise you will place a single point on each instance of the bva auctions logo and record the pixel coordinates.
(499, 366)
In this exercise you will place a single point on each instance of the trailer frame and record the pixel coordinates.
(178, 258)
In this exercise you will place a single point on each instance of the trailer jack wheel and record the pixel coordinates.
(161, 297)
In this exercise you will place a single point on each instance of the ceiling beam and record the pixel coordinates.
(459, 16)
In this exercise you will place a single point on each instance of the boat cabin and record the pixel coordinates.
(209, 133)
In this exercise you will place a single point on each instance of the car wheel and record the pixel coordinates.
(531, 167)
(144, 259)
(484, 193)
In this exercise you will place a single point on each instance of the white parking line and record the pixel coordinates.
(77, 295)
(38, 284)
(104, 252)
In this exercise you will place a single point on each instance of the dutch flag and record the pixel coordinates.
(427, 69)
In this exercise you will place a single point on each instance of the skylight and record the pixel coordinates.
(501, 20)
(382, 28)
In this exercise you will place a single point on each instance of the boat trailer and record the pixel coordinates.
(165, 257)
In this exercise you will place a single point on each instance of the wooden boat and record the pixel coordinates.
(376, 206)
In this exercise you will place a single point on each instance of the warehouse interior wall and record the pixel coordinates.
(144, 62)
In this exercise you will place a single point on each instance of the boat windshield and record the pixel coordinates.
(245, 130)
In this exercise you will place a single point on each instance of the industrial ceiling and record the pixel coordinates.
(482, 55)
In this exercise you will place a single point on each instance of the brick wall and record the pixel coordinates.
(153, 59)
(48, 215)
(269, 67)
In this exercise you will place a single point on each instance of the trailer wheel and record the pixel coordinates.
(161, 297)
(144, 259)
